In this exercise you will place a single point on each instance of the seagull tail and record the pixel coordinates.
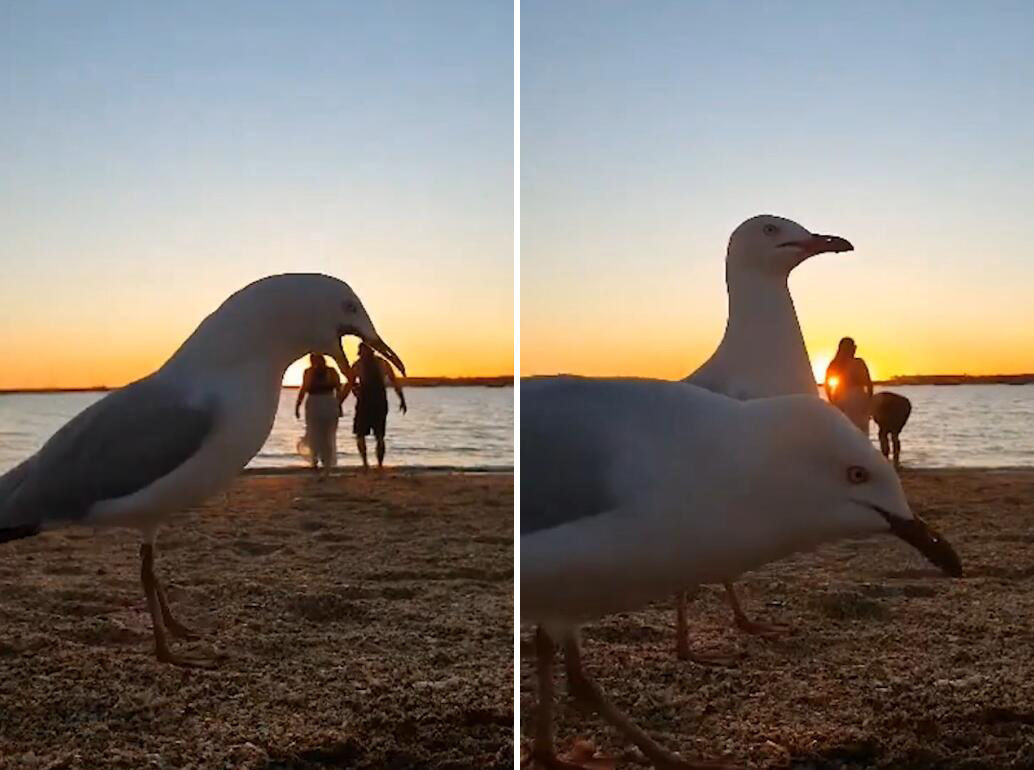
(9, 483)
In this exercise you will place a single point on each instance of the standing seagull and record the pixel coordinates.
(762, 353)
(633, 489)
(172, 439)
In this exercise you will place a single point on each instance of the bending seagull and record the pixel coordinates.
(177, 436)
(763, 352)
(634, 489)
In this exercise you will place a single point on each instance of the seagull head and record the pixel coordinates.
(775, 246)
(827, 481)
(331, 310)
(289, 315)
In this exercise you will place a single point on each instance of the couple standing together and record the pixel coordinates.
(323, 394)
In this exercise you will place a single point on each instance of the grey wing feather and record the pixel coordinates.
(567, 451)
(117, 446)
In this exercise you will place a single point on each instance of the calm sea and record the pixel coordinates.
(950, 426)
(968, 426)
(451, 427)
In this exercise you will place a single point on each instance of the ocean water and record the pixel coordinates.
(951, 426)
(989, 426)
(445, 427)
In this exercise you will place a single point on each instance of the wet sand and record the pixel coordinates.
(890, 665)
(367, 622)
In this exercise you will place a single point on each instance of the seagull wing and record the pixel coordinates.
(118, 446)
(583, 450)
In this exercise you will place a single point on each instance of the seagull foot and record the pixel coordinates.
(686, 764)
(581, 756)
(550, 761)
(180, 631)
(188, 661)
(770, 631)
(721, 659)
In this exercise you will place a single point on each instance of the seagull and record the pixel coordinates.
(762, 352)
(634, 489)
(183, 433)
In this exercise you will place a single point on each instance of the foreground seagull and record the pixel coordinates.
(172, 439)
(634, 489)
(762, 353)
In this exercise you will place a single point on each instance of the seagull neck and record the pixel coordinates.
(228, 349)
(759, 304)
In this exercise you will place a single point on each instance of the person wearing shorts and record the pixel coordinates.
(370, 375)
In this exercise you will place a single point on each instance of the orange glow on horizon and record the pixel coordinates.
(648, 357)
(73, 360)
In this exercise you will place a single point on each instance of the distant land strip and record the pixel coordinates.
(507, 382)
(959, 379)
(410, 382)
(901, 379)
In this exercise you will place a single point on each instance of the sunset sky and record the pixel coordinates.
(650, 130)
(157, 157)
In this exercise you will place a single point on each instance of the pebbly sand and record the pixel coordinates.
(890, 664)
(367, 623)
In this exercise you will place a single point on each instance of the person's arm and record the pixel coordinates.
(865, 372)
(302, 391)
(347, 387)
(339, 391)
(390, 374)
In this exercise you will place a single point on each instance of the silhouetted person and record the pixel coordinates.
(848, 384)
(371, 400)
(890, 411)
(321, 390)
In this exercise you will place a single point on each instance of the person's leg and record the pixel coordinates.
(360, 442)
(884, 445)
(897, 450)
(380, 450)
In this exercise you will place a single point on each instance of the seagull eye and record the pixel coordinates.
(856, 474)
(771, 229)
(351, 307)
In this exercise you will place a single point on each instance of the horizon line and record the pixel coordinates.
(416, 382)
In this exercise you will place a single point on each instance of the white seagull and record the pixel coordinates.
(762, 352)
(634, 489)
(172, 439)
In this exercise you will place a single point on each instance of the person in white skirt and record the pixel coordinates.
(321, 391)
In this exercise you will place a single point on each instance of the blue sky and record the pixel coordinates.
(649, 130)
(157, 156)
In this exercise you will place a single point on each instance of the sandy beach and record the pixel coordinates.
(890, 665)
(366, 622)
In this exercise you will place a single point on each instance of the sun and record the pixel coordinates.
(293, 375)
(818, 366)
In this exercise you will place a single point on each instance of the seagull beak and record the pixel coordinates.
(926, 540)
(342, 361)
(382, 347)
(820, 244)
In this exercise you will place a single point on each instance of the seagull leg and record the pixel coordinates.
(543, 751)
(172, 625)
(585, 689)
(682, 650)
(764, 630)
(154, 606)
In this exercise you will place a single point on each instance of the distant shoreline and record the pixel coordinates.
(508, 382)
(901, 379)
(409, 382)
(959, 379)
